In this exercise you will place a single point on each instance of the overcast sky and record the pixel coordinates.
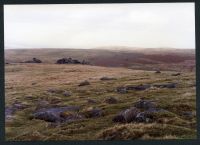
(95, 25)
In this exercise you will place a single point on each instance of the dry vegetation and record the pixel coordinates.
(28, 84)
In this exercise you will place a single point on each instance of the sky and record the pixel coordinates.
(147, 25)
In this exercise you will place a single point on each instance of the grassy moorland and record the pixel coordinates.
(30, 87)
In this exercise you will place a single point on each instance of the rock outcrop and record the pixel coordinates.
(70, 61)
(34, 60)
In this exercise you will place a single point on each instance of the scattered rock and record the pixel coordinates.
(125, 89)
(119, 118)
(9, 111)
(67, 94)
(47, 116)
(84, 83)
(69, 116)
(145, 116)
(91, 101)
(57, 114)
(176, 74)
(144, 104)
(85, 62)
(107, 79)
(111, 100)
(158, 72)
(156, 110)
(56, 91)
(165, 85)
(42, 104)
(55, 100)
(93, 112)
(188, 114)
(29, 97)
(122, 90)
(130, 114)
(19, 106)
(127, 115)
(33, 83)
(139, 87)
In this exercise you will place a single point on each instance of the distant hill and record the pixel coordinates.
(119, 57)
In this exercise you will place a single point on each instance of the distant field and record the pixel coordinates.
(167, 59)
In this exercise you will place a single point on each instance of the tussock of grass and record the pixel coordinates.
(145, 131)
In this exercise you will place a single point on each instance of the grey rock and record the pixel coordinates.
(139, 87)
(176, 74)
(29, 97)
(68, 117)
(122, 90)
(42, 104)
(34, 83)
(67, 94)
(84, 83)
(95, 112)
(47, 116)
(91, 101)
(128, 115)
(188, 114)
(19, 106)
(9, 111)
(56, 91)
(156, 110)
(144, 117)
(34, 60)
(54, 114)
(107, 78)
(158, 72)
(166, 85)
(144, 104)
(119, 118)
